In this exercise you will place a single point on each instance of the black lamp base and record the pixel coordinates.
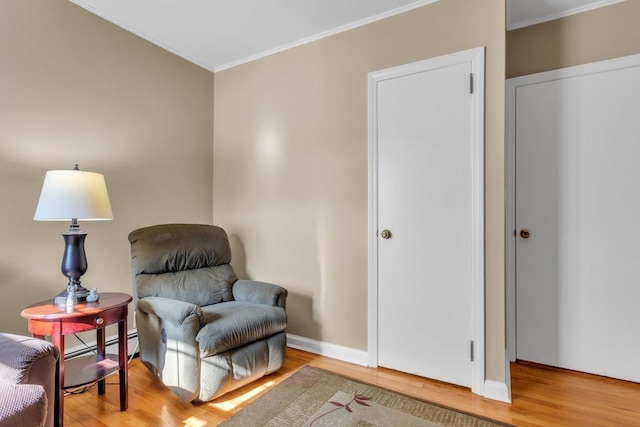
(81, 296)
(74, 265)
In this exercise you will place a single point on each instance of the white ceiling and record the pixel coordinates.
(218, 34)
(522, 13)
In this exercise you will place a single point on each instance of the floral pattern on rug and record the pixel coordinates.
(357, 398)
(357, 410)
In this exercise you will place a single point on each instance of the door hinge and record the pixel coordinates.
(471, 351)
(471, 83)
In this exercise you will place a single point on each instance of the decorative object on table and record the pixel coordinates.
(73, 195)
(313, 397)
(93, 295)
(72, 299)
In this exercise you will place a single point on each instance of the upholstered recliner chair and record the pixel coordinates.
(202, 331)
(28, 381)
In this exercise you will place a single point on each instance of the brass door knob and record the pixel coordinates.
(386, 234)
(524, 233)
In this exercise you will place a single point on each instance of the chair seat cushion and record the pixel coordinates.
(233, 324)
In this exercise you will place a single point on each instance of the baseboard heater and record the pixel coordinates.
(112, 342)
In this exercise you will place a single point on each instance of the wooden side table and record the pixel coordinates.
(45, 318)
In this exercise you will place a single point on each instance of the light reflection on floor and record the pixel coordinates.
(231, 404)
(194, 422)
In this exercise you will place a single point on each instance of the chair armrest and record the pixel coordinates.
(28, 379)
(260, 293)
(174, 311)
(26, 360)
(167, 338)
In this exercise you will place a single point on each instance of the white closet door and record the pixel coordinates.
(578, 195)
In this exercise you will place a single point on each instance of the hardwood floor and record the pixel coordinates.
(541, 397)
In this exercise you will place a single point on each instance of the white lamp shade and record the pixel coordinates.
(73, 194)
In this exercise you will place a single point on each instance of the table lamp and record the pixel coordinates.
(72, 195)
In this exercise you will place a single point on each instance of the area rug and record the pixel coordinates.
(313, 397)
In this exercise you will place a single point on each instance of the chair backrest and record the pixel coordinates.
(187, 262)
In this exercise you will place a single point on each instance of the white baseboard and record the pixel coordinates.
(346, 354)
(496, 390)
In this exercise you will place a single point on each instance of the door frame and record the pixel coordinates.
(476, 57)
(512, 86)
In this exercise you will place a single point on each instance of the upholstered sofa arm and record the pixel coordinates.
(26, 360)
(28, 373)
(260, 293)
(174, 311)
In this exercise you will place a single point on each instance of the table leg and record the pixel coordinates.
(58, 340)
(123, 361)
(100, 356)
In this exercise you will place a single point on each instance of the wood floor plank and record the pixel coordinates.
(542, 397)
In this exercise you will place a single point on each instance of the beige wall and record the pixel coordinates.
(605, 33)
(76, 89)
(290, 164)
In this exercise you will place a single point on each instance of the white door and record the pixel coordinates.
(427, 200)
(577, 141)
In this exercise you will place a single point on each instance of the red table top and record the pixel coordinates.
(47, 310)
